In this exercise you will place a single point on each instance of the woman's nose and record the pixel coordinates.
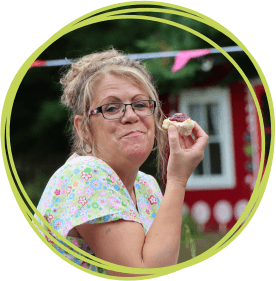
(129, 114)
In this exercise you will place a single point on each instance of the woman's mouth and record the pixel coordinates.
(133, 134)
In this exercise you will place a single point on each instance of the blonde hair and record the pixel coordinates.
(79, 84)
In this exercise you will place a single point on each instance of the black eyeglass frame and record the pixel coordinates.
(100, 109)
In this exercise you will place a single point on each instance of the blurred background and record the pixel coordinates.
(208, 88)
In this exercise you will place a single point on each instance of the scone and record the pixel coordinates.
(182, 122)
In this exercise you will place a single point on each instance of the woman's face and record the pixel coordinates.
(128, 139)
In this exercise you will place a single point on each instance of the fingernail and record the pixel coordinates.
(171, 128)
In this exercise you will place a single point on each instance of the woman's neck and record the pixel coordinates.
(125, 171)
(128, 177)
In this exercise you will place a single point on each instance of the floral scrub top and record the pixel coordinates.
(86, 190)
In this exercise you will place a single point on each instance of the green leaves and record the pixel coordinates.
(189, 234)
(50, 113)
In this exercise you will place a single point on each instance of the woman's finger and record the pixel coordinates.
(191, 139)
(188, 141)
(182, 142)
(198, 131)
(174, 141)
(201, 138)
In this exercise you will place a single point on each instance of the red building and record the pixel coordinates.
(221, 186)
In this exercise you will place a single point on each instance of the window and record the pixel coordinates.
(211, 108)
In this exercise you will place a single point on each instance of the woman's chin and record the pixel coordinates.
(135, 148)
(137, 153)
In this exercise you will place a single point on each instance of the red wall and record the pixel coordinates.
(242, 161)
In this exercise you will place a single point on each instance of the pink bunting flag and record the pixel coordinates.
(183, 57)
(37, 63)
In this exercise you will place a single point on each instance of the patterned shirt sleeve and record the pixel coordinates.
(86, 191)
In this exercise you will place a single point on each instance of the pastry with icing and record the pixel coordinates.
(182, 122)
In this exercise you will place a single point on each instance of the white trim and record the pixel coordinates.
(220, 96)
(253, 130)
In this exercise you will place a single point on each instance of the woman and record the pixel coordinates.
(99, 200)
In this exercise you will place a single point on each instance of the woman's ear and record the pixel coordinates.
(83, 134)
(77, 124)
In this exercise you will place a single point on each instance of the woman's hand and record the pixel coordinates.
(185, 153)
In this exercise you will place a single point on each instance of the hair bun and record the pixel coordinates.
(80, 70)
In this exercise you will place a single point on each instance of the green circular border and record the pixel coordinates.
(94, 17)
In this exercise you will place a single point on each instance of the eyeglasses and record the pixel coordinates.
(117, 110)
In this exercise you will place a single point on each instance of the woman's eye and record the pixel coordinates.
(111, 109)
(141, 105)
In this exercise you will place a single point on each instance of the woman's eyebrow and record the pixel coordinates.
(111, 99)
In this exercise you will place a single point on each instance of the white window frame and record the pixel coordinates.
(221, 96)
